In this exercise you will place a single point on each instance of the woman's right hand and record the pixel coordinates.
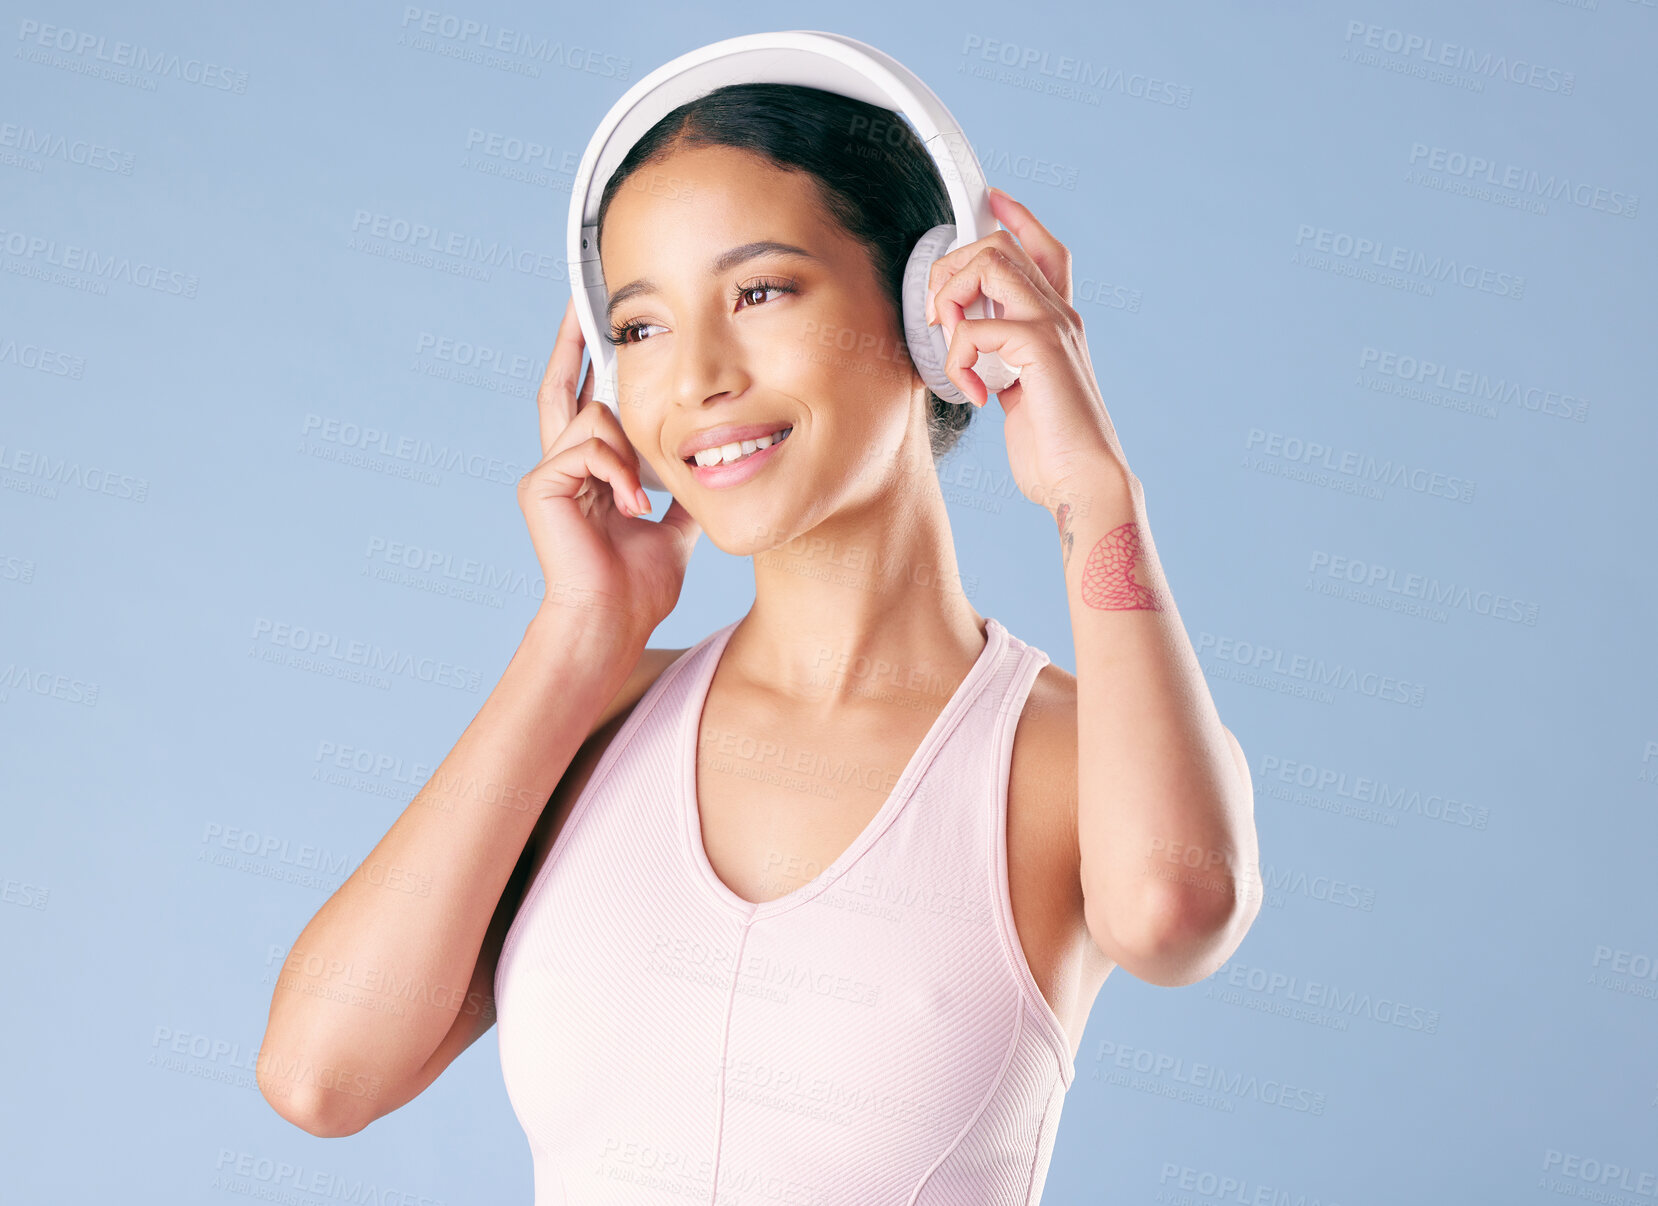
(596, 550)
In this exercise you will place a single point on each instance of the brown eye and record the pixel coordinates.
(742, 291)
(619, 334)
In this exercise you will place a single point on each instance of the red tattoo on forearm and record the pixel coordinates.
(1108, 577)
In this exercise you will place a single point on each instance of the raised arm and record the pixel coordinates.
(385, 985)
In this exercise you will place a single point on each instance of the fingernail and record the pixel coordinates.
(644, 502)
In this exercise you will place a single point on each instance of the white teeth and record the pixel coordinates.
(737, 450)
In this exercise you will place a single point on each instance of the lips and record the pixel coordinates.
(728, 433)
(733, 448)
(729, 475)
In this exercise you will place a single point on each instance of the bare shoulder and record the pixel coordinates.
(1042, 780)
(1044, 771)
(1043, 850)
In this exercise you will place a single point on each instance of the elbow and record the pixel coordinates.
(325, 1113)
(1185, 938)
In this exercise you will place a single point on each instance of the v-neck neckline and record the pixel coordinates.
(691, 811)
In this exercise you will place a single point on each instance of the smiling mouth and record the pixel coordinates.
(729, 454)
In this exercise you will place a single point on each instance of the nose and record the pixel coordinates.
(705, 363)
(708, 362)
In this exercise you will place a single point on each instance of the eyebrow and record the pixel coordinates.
(723, 262)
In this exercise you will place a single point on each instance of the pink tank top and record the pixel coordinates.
(873, 1038)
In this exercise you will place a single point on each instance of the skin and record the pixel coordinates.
(860, 472)
(1107, 882)
(1101, 846)
(860, 477)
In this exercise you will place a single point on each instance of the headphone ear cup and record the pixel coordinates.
(926, 343)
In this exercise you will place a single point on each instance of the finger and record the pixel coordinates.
(998, 277)
(1001, 241)
(589, 422)
(1011, 339)
(1051, 256)
(555, 401)
(574, 473)
(603, 422)
(601, 461)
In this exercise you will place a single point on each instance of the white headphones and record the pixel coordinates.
(834, 63)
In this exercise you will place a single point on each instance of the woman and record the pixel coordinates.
(826, 899)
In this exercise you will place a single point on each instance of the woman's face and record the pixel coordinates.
(719, 333)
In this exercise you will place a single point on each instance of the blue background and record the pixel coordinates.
(170, 491)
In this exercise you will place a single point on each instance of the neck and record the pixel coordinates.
(867, 603)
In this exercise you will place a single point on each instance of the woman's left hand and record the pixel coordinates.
(1059, 438)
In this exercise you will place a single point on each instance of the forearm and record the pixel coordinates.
(1165, 818)
(376, 979)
